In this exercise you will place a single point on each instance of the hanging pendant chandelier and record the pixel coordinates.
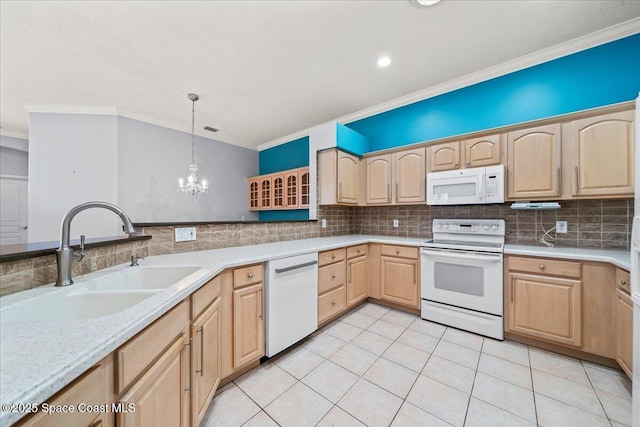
(192, 187)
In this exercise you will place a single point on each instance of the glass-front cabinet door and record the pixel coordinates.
(265, 192)
(254, 194)
(278, 191)
(291, 179)
(304, 188)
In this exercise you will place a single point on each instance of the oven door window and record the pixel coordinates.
(464, 279)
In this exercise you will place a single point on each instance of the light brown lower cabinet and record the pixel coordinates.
(624, 331)
(545, 307)
(88, 389)
(356, 275)
(162, 395)
(248, 325)
(399, 281)
(206, 369)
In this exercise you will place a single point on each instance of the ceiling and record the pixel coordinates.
(264, 69)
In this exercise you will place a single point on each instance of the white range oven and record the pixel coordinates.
(462, 275)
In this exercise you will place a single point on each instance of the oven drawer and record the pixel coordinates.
(400, 251)
(545, 266)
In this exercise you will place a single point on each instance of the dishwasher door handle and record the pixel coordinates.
(295, 267)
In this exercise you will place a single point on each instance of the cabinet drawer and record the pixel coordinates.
(205, 296)
(623, 280)
(332, 303)
(330, 276)
(247, 276)
(88, 389)
(137, 354)
(400, 251)
(354, 251)
(545, 266)
(329, 257)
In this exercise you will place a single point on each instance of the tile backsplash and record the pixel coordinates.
(602, 224)
(29, 273)
(591, 224)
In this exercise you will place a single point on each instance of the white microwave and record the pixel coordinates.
(474, 186)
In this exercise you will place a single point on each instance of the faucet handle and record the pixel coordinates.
(82, 243)
(134, 260)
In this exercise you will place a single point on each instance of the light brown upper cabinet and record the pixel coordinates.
(444, 157)
(534, 163)
(291, 189)
(282, 190)
(483, 151)
(470, 153)
(277, 199)
(602, 155)
(396, 178)
(266, 194)
(410, 176)
(304, 187)
(254, 193)
(378, 176)
(339, 181)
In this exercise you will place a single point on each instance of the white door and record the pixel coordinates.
(13, 210)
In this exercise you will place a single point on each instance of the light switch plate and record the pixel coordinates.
(561, 227)
(185, 234)
(324, 223)
(396, 223)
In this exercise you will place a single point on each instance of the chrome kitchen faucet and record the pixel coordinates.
(65, 255)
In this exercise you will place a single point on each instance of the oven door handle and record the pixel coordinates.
(465, 256)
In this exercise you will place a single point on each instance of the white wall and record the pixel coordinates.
(73, 158)
(151, 159)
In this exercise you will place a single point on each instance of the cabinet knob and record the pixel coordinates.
(624, 282)
(468, 162)
(333, 303)
(455, 164)
(397, 251)
(358, 251)
(333, 257)
(333, 277)
(541, 266)
(250, 275)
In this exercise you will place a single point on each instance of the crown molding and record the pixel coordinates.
(70, 109)
(597, 38)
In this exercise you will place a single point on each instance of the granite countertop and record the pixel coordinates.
(37, 359)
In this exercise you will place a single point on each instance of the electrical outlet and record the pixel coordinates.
(324, 223)
(396, 223)
(561, 227)
(185, 234)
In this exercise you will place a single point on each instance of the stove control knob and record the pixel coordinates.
(486, 226)
(494, 227)
(439, 226)
(446, 227)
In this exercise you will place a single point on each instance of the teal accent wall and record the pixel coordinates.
(351, 141)
(603, 75)
(291, 215)
(291, 155)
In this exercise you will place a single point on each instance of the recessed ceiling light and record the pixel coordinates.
(427, 2)
(384, 61)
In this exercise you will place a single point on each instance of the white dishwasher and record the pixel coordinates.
(291, 306)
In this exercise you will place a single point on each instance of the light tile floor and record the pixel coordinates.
(379, 367)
